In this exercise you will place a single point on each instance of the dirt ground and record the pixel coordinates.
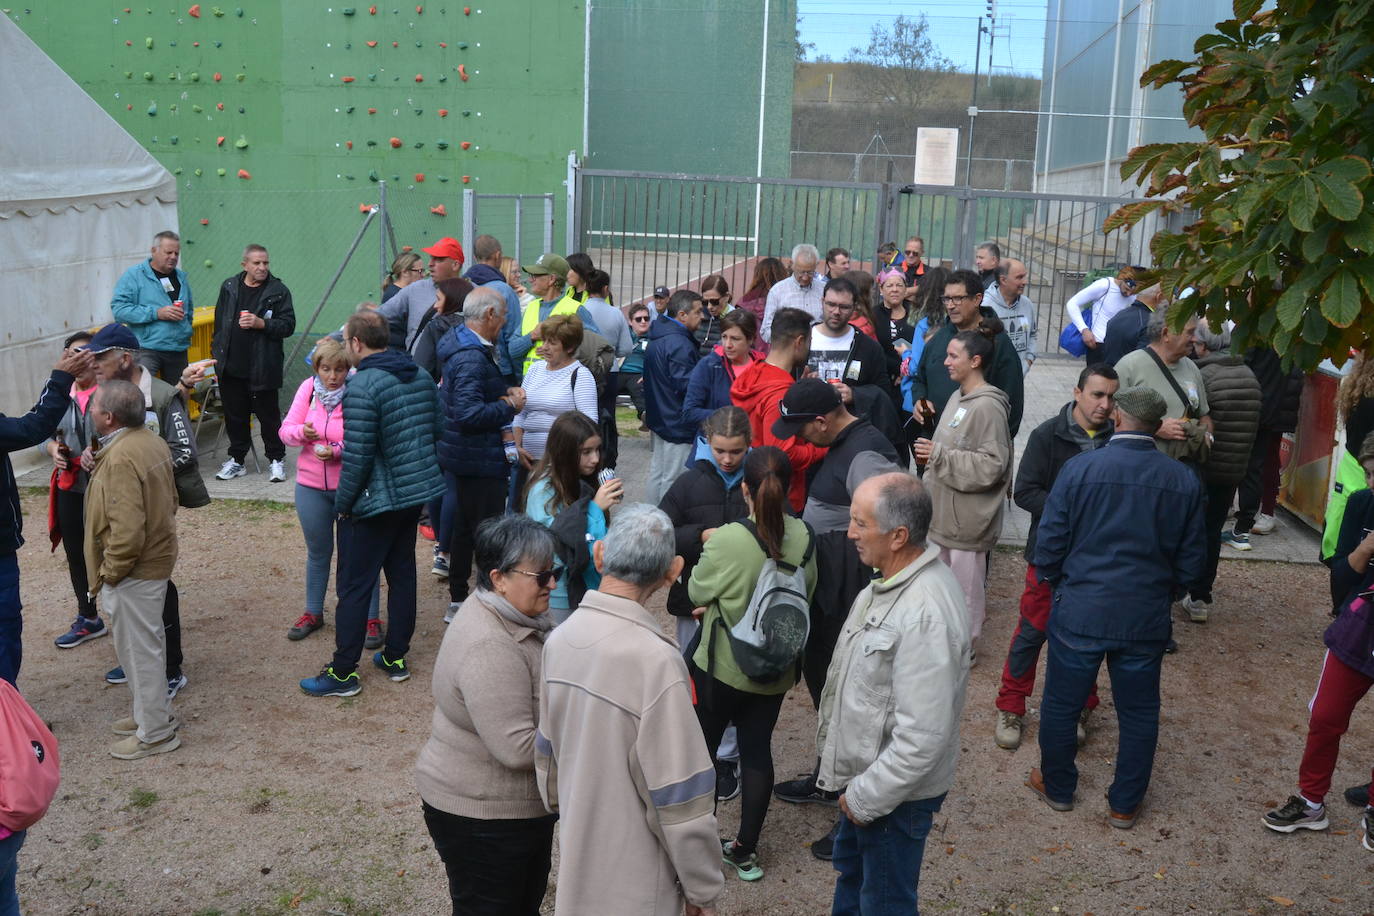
(280, 803)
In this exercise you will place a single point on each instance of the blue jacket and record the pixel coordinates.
(18, 433)
(668, 365)
(474, 414)
(1121, 535)
(137, 297)
(708, 389)
(392, 421)
(486, 275)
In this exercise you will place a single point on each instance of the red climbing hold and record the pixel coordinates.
(443, 44)
(205, 222)
(439, 210)
(348, 79)
(218, 77)
(195, 44)
(465, 144)
(219, 141)
(372, 10)
(194, 11)
(419, 9)
(463, 72)
(419, 177)
(243, 173)
(128, 44)
(395, 142)
(128, 108)
(395, 44)
(219, 106)
(364, 208)
(467, 178)
(419, 77)
(443, 112)
(348, 143)
(372, 111)
(372, 44)
(467, 11)
(405, 248)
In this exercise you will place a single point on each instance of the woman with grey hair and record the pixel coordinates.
(476, 772)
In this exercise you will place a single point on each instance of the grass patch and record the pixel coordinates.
(142, 799)
(627, 423)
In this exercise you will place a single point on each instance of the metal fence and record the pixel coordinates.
(524, 223)
(651, 229)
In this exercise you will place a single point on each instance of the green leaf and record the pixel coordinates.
(1339, 198)
(1293, 302)
(1164, 72)
(1141, 158)
(1314, 327)
(1347, 168)
(1244, 9)
(1302, 204)
(1341, 303)
(1314, 243)
(1364, 270)
(1276, 166)
(1359, 235)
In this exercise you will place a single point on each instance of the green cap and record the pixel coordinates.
(1145, 404)
(548, 263)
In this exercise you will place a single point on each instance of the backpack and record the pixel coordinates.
(30, 768)
(771, 636)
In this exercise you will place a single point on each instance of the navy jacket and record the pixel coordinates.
(1120, 536)
(708, 388)
(668, 365)
(1126, 332)
(1050, 446)
(486, 275)
(18, 433)
(473, 409)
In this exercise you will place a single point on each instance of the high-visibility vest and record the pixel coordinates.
(530, 320)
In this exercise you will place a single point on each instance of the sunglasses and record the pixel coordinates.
(542, 579)
(640, 318)
(913, 254)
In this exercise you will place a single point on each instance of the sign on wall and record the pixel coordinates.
(937, 155)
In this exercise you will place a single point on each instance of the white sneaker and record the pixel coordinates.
(451, 612)
(1008, 731)
(276, 472)
(1196, 608)
(1264, 524)
(230, 470)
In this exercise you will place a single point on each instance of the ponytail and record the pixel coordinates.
(981, 341)
(768, 473)
(729, 422)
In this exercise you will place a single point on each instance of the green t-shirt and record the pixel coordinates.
(1138, 368)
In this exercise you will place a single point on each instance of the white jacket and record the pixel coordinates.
(889, 713)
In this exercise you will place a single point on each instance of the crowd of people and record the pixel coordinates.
(831, 459)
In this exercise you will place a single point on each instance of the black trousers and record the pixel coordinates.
(632, 383)
(71, 519)
(479, 498)
(367, 548)
(239, 402)
(1214, 518)
(495, 867)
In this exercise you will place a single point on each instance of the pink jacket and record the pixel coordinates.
(310, 470)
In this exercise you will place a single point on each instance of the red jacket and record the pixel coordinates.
(759, 390)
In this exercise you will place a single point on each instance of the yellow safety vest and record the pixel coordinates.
(530, 320)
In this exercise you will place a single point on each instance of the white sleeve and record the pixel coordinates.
(1085, 297)
(584, 393)
(770, 306)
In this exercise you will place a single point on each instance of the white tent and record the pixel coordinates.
(80, 201)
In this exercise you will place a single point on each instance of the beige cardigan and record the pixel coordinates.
(479, 760)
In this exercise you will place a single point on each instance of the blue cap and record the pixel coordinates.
(113, 337)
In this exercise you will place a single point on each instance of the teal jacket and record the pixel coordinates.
(137, 297)
(392, 421)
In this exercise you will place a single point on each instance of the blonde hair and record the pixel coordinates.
(328, 352)
(1356, 386)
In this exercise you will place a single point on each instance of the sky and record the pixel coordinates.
(835, 26)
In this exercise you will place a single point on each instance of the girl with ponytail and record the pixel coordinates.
(720, 587)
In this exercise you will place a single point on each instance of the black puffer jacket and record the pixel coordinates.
(1282, 391)
(697, 500)
(1233, 399)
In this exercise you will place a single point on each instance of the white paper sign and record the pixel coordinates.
(937, 155)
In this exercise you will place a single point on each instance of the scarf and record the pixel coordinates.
(330, 399)
(540, 623)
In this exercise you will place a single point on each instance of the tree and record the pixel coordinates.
(1282, 235)
(801, 47)
(906, 62)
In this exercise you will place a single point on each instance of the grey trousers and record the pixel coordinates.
(668, 460)
(165, 364)
(134, 608)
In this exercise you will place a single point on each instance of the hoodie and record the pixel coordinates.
(759, 390)
(1018, 319)
(701, 497)
(968, 470)
(392, 421)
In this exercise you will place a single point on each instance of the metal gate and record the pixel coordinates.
(523, 223)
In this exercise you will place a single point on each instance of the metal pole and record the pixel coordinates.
(573, 230)
(548, 220)
(1054, 82)
(357, 239)
(519, 224)
(973, 105)
(1111, 103)
(763, 95)
(381, 236)
(470, 218)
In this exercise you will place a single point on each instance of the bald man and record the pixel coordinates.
(1008, 299)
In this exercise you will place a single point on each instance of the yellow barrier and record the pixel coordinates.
(202, 329)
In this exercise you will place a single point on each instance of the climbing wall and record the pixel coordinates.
(279, 118)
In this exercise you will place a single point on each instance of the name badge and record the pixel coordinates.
(1192, 394)
(166, 285)
(958, 417)
(267, 314)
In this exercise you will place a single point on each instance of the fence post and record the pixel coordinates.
(573, 232)
(385, 270)
(968, 225)
(519, 224)
(886, 216)
(469, 219)
(548, 222)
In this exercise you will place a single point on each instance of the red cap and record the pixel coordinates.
(446, 248)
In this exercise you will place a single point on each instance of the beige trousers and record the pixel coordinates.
(134, 608)
(971, 569)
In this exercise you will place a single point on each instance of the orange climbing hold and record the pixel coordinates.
(243, 173)
(443, 44)
(372, 10)
(467, 178)
(194, 11)
(419, 77)
(467, 11)
(463, 72)
(219, 141)
(395, 44)
(419, 9)
(219, 106)
(465, 144)
(372, 44)
(364, 208)
(348, 79)
(348, 143)
(395, 142)
(419, 177)
(218, 77)
(372, 111)
(443, 112)
(205, 222)
(439, 210)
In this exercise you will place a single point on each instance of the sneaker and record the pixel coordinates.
(307, 624)
(803, 791)
(453, 607)
(276, 471)
(1237, 539)
(1358, 795)
(329, 684)
(747, 865)
(1366, 827)
(1198, 608)
(1036, 783)
(1296, 814)
(127, 726)
(116, 676)
(1083, 725)
(231, 469)
(824, 848)
(395, 668)
(440, 567)
(375, 635)
(83, 629)
(1123, 821)
(1008, 731)
(133, 749)
(727, 780)
(1264, 524)
(175, 684)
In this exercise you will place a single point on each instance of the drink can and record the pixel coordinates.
(606, 474)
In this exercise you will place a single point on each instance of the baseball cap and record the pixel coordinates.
(805, 401)
(662, 292)
(446, 247)
(548, 263)
(113, 337)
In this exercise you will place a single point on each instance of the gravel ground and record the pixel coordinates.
(279, 803)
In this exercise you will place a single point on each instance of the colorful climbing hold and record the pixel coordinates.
(420, 145)
(465, 145)
(241, 143)
(209, 264)
(152, 110)
(128, 107)
(148, 43)
(419, 177)
(194, 11)
(466, 112)
(194, 77)
(467, 11)
(439, 210)
(419, 9)
(442, 144)
(372, 10)
(221, 172)
(372, 176)
(364, 208)
(348, 79)
(349, 11)
(419, 77)
(372, 111)
(395, 44)
(147, 75)
(395, 142)
(348, 144)
(173, 140)
(467, 179)
(463, 72)
(462, 46)
(219, 106)
(216, 11)
(219, 141)
(199, 172)
(372, 44)
(243, 173)
(205, 222)
(195, 44)
(443, 44)
(218, 77)
(443, 112)
(348, 110)
(128, 44)
(197, 109)
(240, 76)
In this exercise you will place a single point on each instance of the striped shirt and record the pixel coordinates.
(550, 394)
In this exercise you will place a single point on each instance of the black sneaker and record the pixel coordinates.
(803, 791)
(727, 780)
(824, 848)
(1358, 795)
(1296, 815)
(1367, 829)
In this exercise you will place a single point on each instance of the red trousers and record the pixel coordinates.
(1339, 688)
(1018, 674)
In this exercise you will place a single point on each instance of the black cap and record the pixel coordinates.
(662, 292)
(805, 401)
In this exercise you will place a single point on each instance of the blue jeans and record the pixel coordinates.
(441, 512)
(880, 865)
(315, 509)
(9, 867)
(11, 618)
(1070, 673)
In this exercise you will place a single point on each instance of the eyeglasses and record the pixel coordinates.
(542, 579)
(804, 273)
(414, 270)
(913, 254)
(838, 306)
(950, 300)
